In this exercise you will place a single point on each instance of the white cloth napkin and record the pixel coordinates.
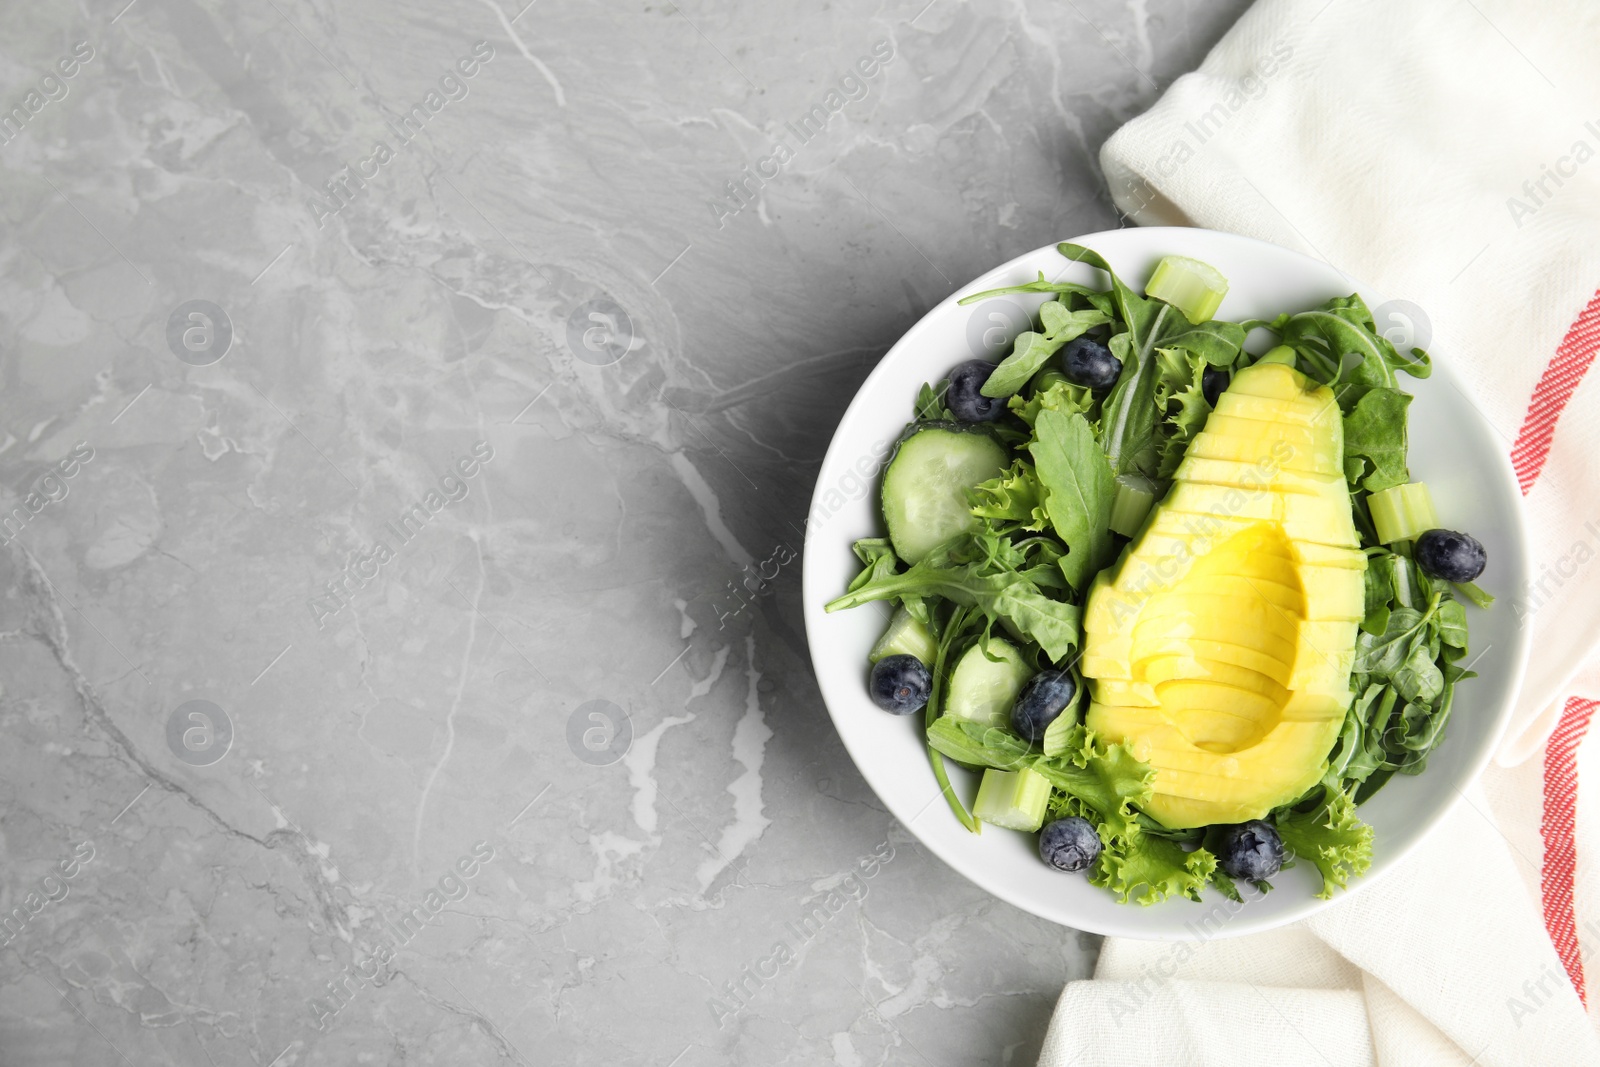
(1448, 152)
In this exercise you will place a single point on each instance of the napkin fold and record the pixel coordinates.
(1447, 152)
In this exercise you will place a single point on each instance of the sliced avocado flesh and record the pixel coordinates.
(1219, 646)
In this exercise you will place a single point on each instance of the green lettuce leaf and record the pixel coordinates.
(1147, 870)
(1060, 396)
(1330, 836)
(1011, 501)
(1106, 778)
(1180, 398)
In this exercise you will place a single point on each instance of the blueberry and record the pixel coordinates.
(1069, 844)
(1212, 383)
(1041, 703)
(1251, 850)
(1089, 363)
(964, 399)
(900, 684)
(1455, 557)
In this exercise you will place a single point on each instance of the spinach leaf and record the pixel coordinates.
(1418, 678)
(1375, 430)
(1385, 653)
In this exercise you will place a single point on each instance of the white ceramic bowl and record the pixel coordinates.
(1452, 447)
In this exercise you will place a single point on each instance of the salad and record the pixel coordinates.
(1180, 603)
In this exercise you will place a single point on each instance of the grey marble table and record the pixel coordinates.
(408, 417)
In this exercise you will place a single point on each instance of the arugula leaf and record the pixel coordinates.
(1077, 488)
(1128, 413)
(1147, 870)
(878, 558)
(977, 572)
(1215, 341)
(1326, 339)
(949, 635)
(1128, 416)
(930, 406)
(1032, 349)
(1137, 312)
(1359, 753)
(1330, 836)
(1131, 413)
(1375, 430)
(1095, 298)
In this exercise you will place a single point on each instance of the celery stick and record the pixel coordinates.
(1193, 287)
(1403, 513)
(1135, 495)
(1013, 799)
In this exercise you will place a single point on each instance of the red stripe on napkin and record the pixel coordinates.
(1560, 853)
(1550, 396)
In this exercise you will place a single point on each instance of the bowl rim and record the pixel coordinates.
(1312, 904)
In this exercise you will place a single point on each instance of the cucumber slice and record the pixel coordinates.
(1193, 287)
(1281, 354)
(1403, 513)
(906, 636)
(1135, 495)
(1013, 799)
(925, 488)
(982, 690)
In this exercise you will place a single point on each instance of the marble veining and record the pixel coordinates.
(408, 420)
